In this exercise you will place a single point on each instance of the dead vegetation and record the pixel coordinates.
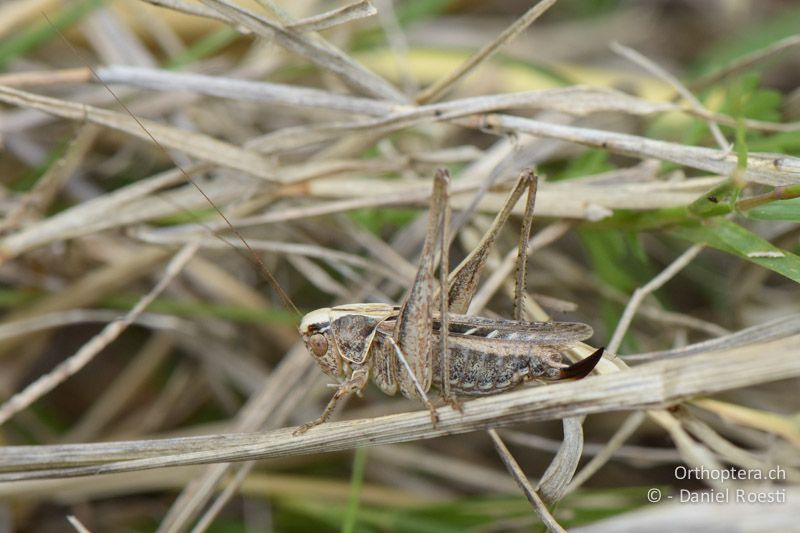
(142, 337)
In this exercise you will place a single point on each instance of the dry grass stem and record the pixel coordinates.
(695, 104)
(435, 91)
(745, 61)
(59, 319)
(75, 523)
(230, 490)
(626, 453)
(82, 357)
(625, 430)
(326, 56)
(202, 146)
(519, 476)
(781, 327)
(642, 292)
(335, 17)
(761, 168)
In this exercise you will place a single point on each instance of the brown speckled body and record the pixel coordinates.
(413, 346)
(486, 356)
(475, 373)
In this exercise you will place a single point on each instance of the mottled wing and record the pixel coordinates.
(519, 331)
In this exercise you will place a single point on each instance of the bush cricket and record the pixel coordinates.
(402, 348)
(397, 346)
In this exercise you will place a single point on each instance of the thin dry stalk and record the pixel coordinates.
(766, 169)
(111, 403)
(446, 466)
(335, 17)
(326, 56)
(743, 62)
(88, 351)
(74, 522)
(47, 77)
(637, 455)
(438, 89)
(623, 433)
(270, 407)
(230, 490)
(642, 292)
(202, 146)
(34, 203)
(780, 327)
(527, 489)
(695, 104)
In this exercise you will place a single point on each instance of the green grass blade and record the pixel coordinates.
(780, 210)
(732, 238)
(356, 482)
(43, 30)
(211, 43)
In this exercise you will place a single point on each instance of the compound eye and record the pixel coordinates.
(318, 344)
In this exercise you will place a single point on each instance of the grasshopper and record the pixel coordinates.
(403, 348)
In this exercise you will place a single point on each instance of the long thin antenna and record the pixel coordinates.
(287, 302)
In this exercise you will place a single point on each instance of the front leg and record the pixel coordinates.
(356, 382)
(420, 392)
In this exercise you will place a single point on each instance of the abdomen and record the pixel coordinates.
(477, 373)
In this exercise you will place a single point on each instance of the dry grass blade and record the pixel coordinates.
(642, 292)
(91, 287)
(780, 327)
(95, 215)
(769, 169)
(435, 91)
(281, 393)
(270, 93)
(781, 425)
(288, 248)
(625, 430)
(116, 397)
(192, 8)
(444, 465)
(38, 199)
(242, 471)
(82, 357)
(34, 78)
(575, 100)
(326, 57)
(17, 12)
(572, 199)
(695, 104)
(45, 321)
(335, 17)
(555, 480)
(197, 144)
(75, 523)
(519, 476)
